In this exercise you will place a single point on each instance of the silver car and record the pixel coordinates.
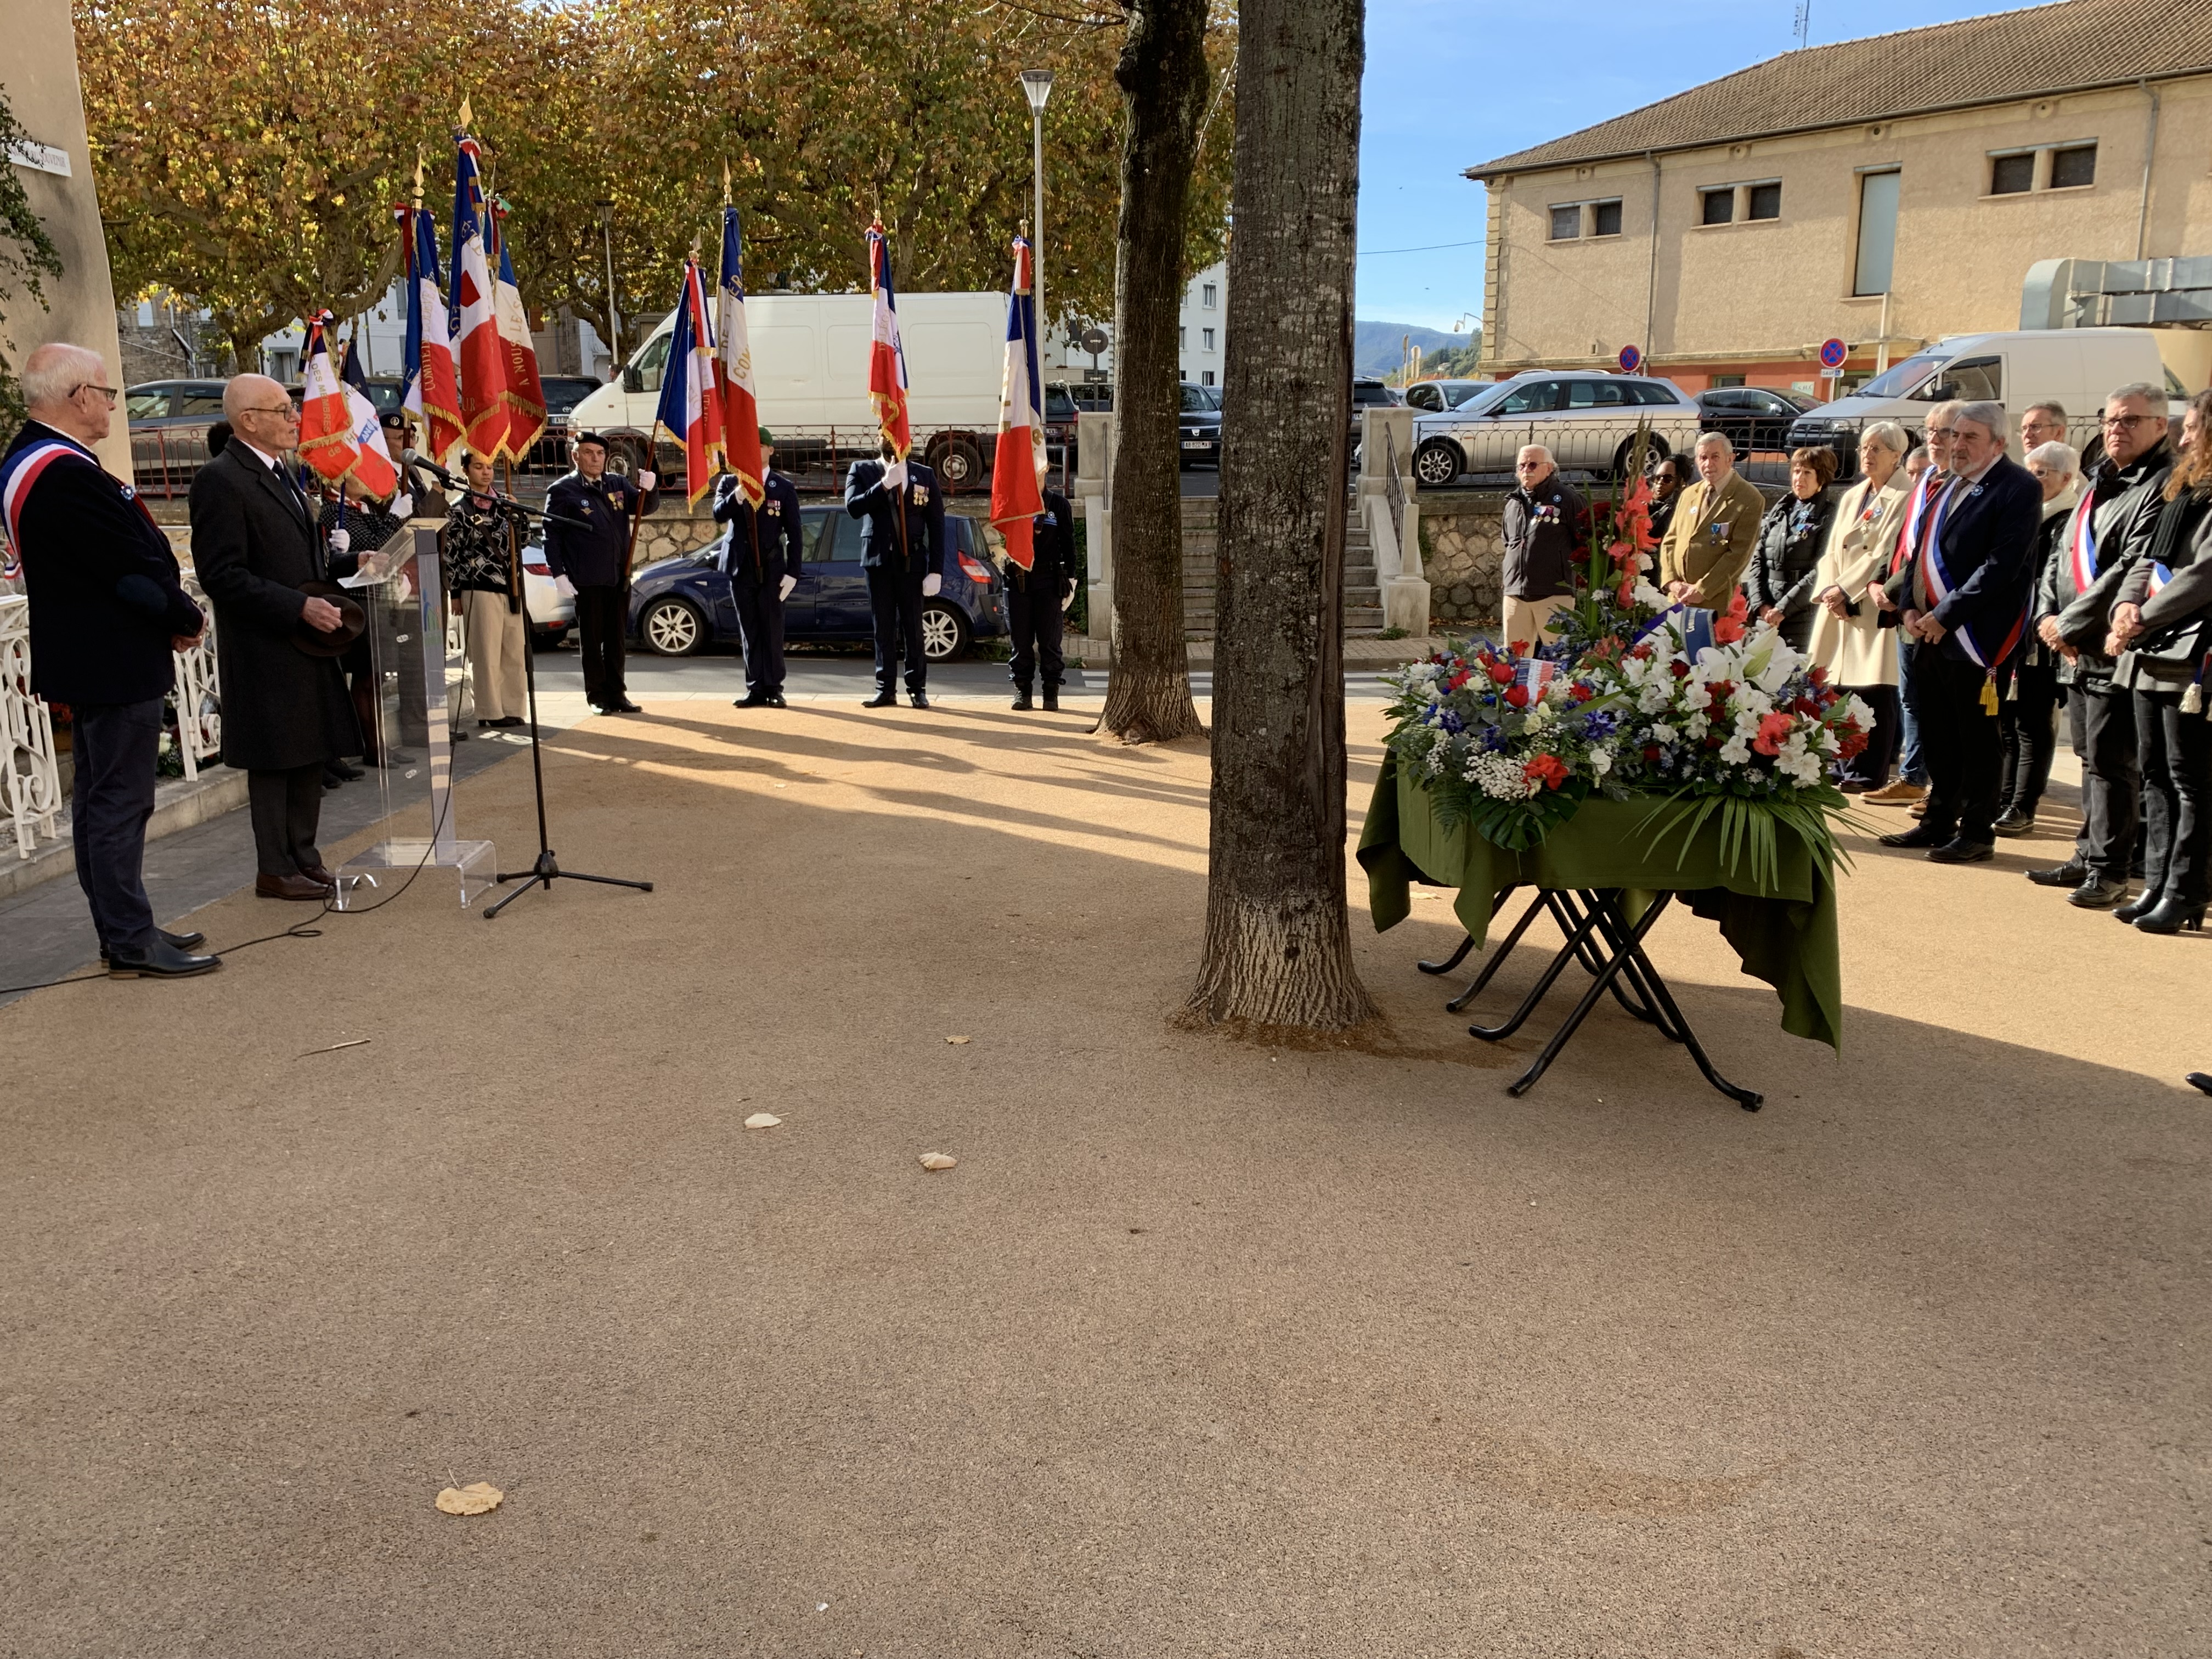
(1435, 397)
(1588, 421)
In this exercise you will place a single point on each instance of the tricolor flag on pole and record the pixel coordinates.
(1017, 471)
(886, 355)
(432, 394)
(473, 322)
(689, 407)
(733, 366)
(525, 396)
(332, 438)
(375, 471)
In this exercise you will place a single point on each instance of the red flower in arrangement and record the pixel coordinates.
(1625, 595)
(1852, 741)
(1680, 670)
(1805, 706)
(1720, 691)
(1818, 676)
(1726, 630)
(1581, 691)
(1651, 751)
(1518, 695)
(1501, 673)
(1715, 740)
(1641, 651)
(1457, 681)
(1771, 731)
(1623, 553)
(1548, 769)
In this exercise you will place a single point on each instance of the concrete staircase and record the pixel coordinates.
(1363, 590)
(1363, 587)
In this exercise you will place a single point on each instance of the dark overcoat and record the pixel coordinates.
(254, 548)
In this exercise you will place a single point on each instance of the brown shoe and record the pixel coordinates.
(1898, 793)
(318, 872)
(1918, 809)
(290, 887)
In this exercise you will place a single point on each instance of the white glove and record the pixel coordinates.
(645, 478)
(931, 583)
(403, 506)
(564, 587)
(894, 476)
(783, 589)
(341, 539)
(1068, 603)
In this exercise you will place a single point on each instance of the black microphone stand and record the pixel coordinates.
(545, 869)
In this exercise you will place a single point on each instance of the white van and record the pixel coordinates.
(2077, 368)
(811, 372)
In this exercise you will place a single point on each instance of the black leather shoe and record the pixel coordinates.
(2069, 874)
(1959, 850)
(919, 698)
(2013, 821)
(1022, 698)
(625, 707)
(775, 699)
(2200, 1080)
(174, 941)
(2098, 894)
(160, 960)
(751, 699)
(344, 770)
(1918, 838)
(2173, 917)
(1051, 702)
(882, 700)
(2140, 905)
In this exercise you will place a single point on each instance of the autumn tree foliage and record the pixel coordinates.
(248, 154)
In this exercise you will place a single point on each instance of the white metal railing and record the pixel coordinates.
(29, 773)
(199, 698)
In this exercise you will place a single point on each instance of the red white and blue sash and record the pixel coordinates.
(24, 468)
(1939, 588)
(2081, 543)
(2160, 576)
(1908, 533)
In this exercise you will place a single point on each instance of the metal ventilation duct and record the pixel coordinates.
(2117, 292)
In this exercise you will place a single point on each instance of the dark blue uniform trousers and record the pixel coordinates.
(760, 623)
(894, 597)
(114, 745)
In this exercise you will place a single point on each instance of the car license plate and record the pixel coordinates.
(1194, 443)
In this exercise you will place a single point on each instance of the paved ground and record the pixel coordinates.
(1204, 1349)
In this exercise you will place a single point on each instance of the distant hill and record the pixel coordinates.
(1379, 348)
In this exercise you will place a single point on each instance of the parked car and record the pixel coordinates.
(1754, 417)
(683, 604)
(1202, 424)
(562, 393)
(1368, 393)
(168, 422)
(1435, 397)
(551, 614)
(1063, 401)
(1589, 421)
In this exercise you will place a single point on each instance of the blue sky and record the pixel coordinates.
(1449, 84)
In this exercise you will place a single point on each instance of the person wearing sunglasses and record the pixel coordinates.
(108, 612)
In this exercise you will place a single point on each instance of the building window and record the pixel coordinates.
(1877, 233)
(1719, 206)
(2012, 175)
(1206, 378)
(1765, 201)
(1206, 338)
(1206, 296)
(2073, 166)
(1182, 338)
(1604, 218)
(1719, 380)
(1567, 222)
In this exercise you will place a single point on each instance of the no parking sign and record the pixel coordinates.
(1832, 354)
(1630, 359)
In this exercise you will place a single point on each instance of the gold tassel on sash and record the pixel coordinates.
(1990, 693)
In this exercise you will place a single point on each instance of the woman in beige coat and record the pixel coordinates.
(1846, 640)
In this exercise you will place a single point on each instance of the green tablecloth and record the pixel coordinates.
(1784, 932)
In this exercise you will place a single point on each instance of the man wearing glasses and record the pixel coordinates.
(285, 712)
(2118, 512)
(107, 613)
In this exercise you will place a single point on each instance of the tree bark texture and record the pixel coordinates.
(1162, 76)
(1277, 940)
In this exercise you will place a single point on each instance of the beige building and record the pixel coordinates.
(40, 74)
(1884, 191)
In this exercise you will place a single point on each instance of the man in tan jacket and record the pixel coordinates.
(1709, 545)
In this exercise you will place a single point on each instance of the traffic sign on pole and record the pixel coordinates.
(1631, 359)
(1832, 354)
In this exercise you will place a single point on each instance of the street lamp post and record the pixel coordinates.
(1036, 87)
(614, 314)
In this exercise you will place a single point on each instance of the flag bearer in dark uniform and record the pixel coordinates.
(762, 560)
(1035, 599)
(107, 609)
(592, 565)
(904, 561)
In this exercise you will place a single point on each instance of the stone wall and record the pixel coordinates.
(1460, 557)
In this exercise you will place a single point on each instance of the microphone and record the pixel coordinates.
(416, 458)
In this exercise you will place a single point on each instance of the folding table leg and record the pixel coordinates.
(1568, 952)
(1611, 971)
(1750, 1099)
(1503, 950)
(1628, 990)
(1466, 943)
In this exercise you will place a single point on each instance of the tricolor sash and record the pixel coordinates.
(2082, 542)
(24, 468)
(1940, 586)
(1908, 533)
(2160, 576)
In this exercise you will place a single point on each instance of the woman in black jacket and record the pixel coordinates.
(1779, 583)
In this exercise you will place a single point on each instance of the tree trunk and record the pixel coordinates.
(1277, 941)
(1162, 77)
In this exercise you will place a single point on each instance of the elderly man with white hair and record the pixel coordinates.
(1709, 544)
(108, 612)
(1544, 528)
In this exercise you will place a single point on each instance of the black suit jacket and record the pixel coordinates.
(763, 545)
(923, 545)
(1988, 544)
(595, 557)
(106, 593)
(255, 547)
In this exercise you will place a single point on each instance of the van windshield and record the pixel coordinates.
(1901, 380)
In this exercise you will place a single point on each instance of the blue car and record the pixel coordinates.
(680, 605)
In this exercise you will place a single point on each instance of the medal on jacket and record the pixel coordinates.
(2081, 543)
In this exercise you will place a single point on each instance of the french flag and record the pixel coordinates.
(525, 395)
(337, 438)
(689, 406)
(432, 394)
(733, 366)
(374, 468)
(1018, 472)
(886, 355)
(472, 322)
